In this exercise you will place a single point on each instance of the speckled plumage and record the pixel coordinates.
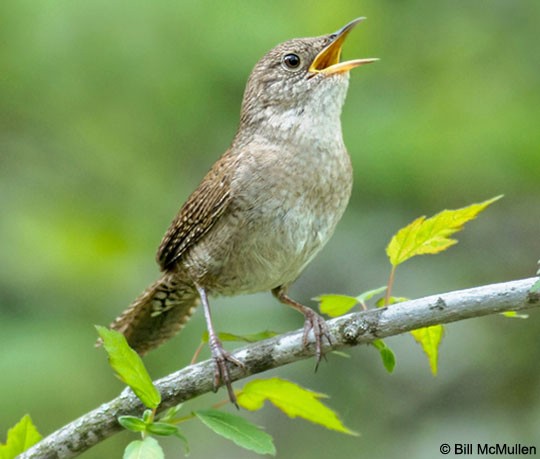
(266, 207)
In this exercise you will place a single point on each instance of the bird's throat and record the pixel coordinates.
(317, 119)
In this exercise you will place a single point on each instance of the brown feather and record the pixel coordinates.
(157, 314)
(200, 212)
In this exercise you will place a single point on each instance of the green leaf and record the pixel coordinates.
(387, 355)
(430, 236)
(20, 437)
(184, 440)
(144, 449)
(239, 430)
(514, 315)
(292, 399)
(430, 339)
(171, 413)
(366, 296)
(388, 359)
(129, 367)
(148, 416)
(335, 305)
(162, 428)
(132, 423)
(249, 338)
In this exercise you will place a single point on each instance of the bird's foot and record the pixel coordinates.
(220, 355)
(315, 322)
(221, 371)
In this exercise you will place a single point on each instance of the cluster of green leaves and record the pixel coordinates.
(293, 400)
(420, 237)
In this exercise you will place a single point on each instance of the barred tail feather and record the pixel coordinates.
(157, 314)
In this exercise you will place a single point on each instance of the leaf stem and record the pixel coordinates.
(197, 352)
(182, 419)
(218, 405)
(389, 286)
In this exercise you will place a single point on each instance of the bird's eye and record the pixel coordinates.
(291, 61)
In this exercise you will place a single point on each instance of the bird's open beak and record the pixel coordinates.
(327, 61)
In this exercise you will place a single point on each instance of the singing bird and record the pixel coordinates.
(265, 208)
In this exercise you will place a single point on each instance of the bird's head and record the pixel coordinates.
(298, 75)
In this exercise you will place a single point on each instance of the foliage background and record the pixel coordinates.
(111, 112)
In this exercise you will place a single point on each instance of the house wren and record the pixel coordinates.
(266, 207)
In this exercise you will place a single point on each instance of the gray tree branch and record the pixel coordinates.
(350, 330)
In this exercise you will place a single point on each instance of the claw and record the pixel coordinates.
(221, 371)
(313, 321)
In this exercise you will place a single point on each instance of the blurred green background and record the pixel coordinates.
(111, 112)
